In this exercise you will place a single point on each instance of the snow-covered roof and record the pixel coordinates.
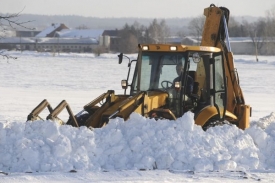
(48, 30)
(81, 33)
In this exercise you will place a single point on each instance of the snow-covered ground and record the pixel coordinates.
(169, 151)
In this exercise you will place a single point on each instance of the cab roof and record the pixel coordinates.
(177, 48)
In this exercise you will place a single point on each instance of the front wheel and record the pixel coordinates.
(214, 122)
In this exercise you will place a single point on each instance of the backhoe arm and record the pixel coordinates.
(215, 33)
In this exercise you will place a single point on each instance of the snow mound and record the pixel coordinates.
(139, 143)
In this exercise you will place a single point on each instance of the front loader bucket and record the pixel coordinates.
(59, 108)
(34, 115)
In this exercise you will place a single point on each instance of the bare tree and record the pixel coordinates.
(270, 30)
(157, 32)
(256, 31)
(165, 31)
(196, 26)
(10, 21)
(154, 31)
(235, 28)
(181, 34)
(99, 49)
(138, 31)
(128, 40)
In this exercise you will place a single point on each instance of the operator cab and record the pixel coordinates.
(168, 72)
(156, 71)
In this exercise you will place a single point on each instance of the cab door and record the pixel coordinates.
(219, 84)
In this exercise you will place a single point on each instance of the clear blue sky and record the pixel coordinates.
(134, 8)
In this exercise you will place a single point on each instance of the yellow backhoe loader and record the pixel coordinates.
(171, 79)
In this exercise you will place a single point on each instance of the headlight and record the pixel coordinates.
(124, 84)
(145, 47)
(177, 85)
(173, 48)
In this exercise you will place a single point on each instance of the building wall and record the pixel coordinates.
(64, 47)
(242, 48)
(50, 47)
(27, 33)
(104, 41)
(248, 48)
(114, 44)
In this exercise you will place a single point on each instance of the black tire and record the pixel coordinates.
(80, 119)
(214, 122)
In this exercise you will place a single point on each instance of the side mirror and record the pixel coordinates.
(120, 56)
(124, 84)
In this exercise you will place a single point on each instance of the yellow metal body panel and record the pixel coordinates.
(95, 119)
(124, 105)
(244, 111)
(208, 112)
(200, 78)
(154, 100)
(245, 120)
(211, 26)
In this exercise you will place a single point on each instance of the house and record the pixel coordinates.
(51, 30)
(110, 39)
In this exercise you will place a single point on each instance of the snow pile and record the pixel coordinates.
(139, 143)
(263, 134)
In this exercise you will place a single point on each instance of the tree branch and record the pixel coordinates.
(11, 21)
